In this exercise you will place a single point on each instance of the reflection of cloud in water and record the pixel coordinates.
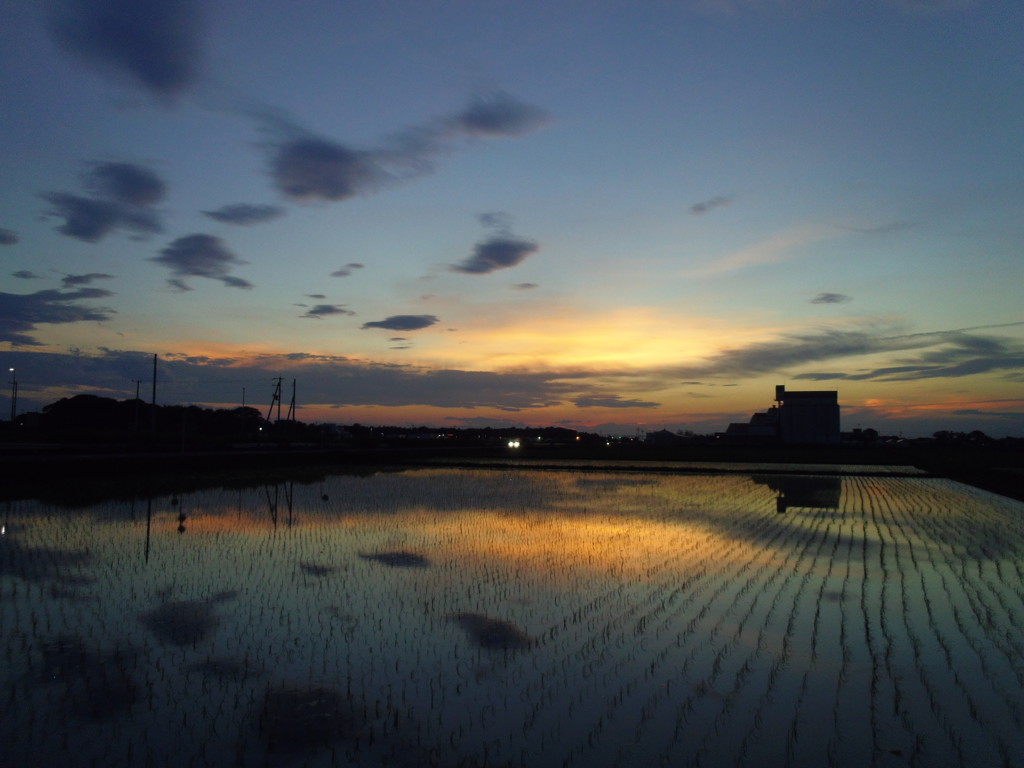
(398, 559)
(314, 569)
(95, 685)
(490, 633)
(185, 622)
(233, 670)
(43, 563)
(295, 719)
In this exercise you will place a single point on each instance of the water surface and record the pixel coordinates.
(509, 617)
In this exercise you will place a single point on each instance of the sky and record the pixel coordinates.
(613, 216)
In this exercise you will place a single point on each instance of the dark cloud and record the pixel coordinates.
(323, 378)
(21, 313)
(244, 214)
(8, 236)
(325, 310)
(498, 115)
(346, 270)
(830, 298)
(612, 401)
(71, 281)
(126, 183)
(498, 252)
(525, 286)
(317, 296)
(24, 274)
(403, 322)
(939, 354)
(200, 256)
(91, 219)
(792, 350)
(309, 168)
(152, 42)
(709, 205)
(496, 220)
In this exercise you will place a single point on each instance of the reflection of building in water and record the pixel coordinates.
(809, 417)
(815, 492)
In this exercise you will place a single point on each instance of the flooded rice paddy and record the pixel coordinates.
(457, 617)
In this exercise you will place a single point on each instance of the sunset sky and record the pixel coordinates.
(604, 215)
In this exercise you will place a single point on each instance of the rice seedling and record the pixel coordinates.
(643, 620)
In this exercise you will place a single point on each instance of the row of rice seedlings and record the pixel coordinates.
(630, 682)
(397, 676)
(804, 592)
(739, 720)
(685, 684)
(766, 703)
(894, 730)
(963, 694)
(658, 696)
(978, 692)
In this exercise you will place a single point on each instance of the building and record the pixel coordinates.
(797, 418)
(808, 417)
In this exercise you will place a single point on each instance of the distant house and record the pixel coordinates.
(798, 417)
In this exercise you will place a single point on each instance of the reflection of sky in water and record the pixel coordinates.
(478, 617)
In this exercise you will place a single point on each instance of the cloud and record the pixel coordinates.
(90, 219)
(126, 183)
(496, 220)
(21, 313)
(325, 310)
(791, 350)
(403, 322)
(525, 286)
(883, 229)
(24, 274)
(613, 401)
(8, 236)
(498, 115)
(72, 281)
(152, 42)
(325, 379)
(244, 214)
(777, 248)
(709, 205)
(346, 270)
(200, 256)
(830, 298)
(497, 252)
(938, 354)
(309, 168)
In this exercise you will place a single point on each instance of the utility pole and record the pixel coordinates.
(291, 406)
(275, 398)
(137, 383)
(153, 409)
(14, 396)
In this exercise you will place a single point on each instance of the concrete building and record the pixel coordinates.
(808, 417)
(799, 417)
